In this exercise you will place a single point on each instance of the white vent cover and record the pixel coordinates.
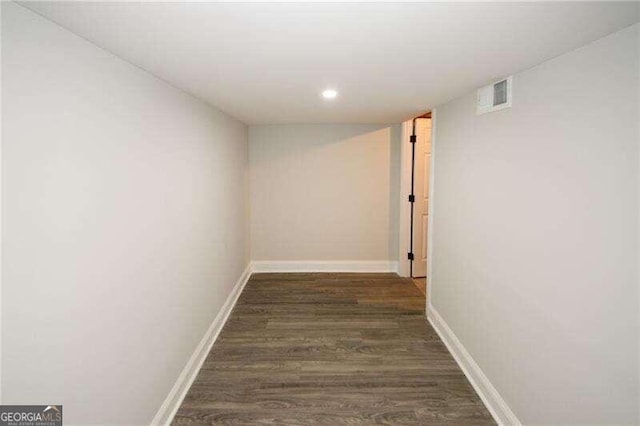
(495, 96)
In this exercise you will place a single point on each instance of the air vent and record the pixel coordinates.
(494, 97)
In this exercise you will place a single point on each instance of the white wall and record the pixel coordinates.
(638, 104)
(1, 220)
(126, 225)
(324, 192)
(535, 242)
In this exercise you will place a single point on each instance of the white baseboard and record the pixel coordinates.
(170, 406)
(496, 405)
(325, 266)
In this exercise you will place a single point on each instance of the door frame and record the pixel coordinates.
(404, 219)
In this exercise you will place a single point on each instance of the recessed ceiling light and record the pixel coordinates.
(329, 94)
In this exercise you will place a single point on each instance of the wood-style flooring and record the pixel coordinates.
(332, 349)
(421, 283)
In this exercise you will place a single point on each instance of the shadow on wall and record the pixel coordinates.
(302, 137)
(324, 192)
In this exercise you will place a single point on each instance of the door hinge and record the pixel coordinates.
(410, 256)
(412, 198)
(412, 139)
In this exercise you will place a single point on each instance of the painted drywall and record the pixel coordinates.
(267, 62)
(638, 207)
(124, 204)
(535, 242)
(324, 192)
(1, 174)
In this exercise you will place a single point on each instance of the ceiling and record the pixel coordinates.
(268, 62)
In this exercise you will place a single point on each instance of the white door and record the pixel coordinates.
(421, 191)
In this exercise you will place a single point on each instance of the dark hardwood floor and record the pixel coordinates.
(330, 349)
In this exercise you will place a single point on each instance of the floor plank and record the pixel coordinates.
(332, 349)
(421, 283)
